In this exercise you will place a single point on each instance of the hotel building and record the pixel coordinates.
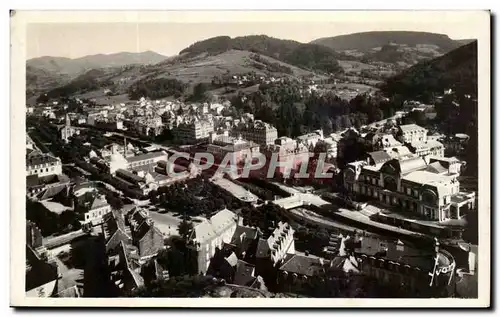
(429, 190)
(257, 131)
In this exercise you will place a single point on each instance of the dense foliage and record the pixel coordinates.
(89, 81)
(51, 223)
(294, 112)
(194, 197)
(262, 63)
(156, 88)
(456, 70)
(457, 111)
(367, 40)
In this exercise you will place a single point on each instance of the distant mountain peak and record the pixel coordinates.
(79, 65)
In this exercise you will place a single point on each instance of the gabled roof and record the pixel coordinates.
(379, 156)
(302, 265)
(218, 223)
(243, 235)
(436, 168)
(411, 127)
(244, 274)
(99, 201)
(262, 249)
(147, 156)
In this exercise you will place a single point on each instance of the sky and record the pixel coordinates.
(109, 34)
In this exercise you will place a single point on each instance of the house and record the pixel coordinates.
(145, 236)
(210, 235)
(98, 209)
(42, 164)
(411, 133)
(115, 230)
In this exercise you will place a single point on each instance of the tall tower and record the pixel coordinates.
(68, 121)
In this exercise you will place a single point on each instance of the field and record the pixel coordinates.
(354, 66)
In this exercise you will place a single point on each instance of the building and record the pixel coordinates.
(115, 230)
(409, 185)
(288, 153)
(331, 147)
(210, 235)
(311, 139)
(193, 132)
(148, 126)
(41, 268)
(411, 133)
(118, 161)
(234, 148)
(42, 164)
(386, 141)
(256, 131)
(97, 210)
(145, 236)
(67, 131)
(278, 245)
(422, 270)
(427, 148)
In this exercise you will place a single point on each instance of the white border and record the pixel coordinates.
(476, 20)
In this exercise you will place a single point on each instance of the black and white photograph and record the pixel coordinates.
(302, 157)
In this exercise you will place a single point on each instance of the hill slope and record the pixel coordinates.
(396, 47)
(38, 80)
(456, 69)
(309, 56)
(187, 68)
(365, 41)
(73, 67)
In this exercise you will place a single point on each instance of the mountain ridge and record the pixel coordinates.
(75, 66)
(364, 41)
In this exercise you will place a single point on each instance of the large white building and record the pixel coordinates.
(98, 209)
(257, 131)
(410, 133)
(411, 184)
(42, 164)
(211, 234)
(117, 161)
(192, 132)
(238, 149)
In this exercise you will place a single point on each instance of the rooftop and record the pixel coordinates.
(146, 156)
(302, 265)
(411, 127)
(397, 252)
(211, 228)
(429, 178)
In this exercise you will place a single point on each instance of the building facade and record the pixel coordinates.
(42, 164)
(409, 185)
(210, 235)
(192, 132)
(257, 131)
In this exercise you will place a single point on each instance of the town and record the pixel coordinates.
(110, 214)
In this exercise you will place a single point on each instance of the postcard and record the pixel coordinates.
(250, 159)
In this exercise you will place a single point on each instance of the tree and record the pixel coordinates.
(200, 92)
(185, 228)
